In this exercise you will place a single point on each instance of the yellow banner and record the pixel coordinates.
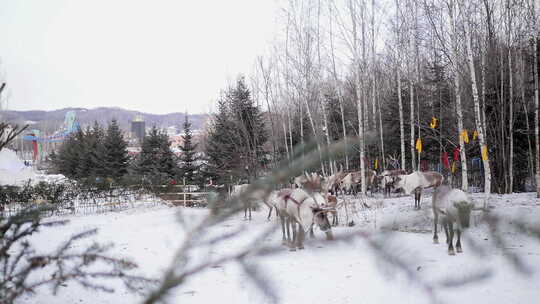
(419, 145)
(454, 167)
(484, 152)
(433, 123)
(474, 135)
(465, 136)
(376, 163)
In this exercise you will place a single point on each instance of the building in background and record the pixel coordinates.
(138, 128)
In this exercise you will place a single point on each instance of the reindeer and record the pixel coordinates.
(332, 183)
(255, 195)
(274, 199)
(416, 182)
(454, 206)
(352, 181)
(387, 180)
(305, 210)
(310, 179)
(331, 204)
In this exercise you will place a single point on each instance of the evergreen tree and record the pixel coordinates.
(236, 139)
(156, 158)
(188, 166)
(91, 153)
(67, 159)
(220, 147)
(115, 155)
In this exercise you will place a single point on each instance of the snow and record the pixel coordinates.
(14, 172)
(12, 169)
(327, 272)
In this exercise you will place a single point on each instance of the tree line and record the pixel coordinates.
(447, 85)
(99, 155)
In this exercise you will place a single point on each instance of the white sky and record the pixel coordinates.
(154, 56)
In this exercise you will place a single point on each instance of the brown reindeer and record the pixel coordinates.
(331, 204)
(387, 180)
(352, 181)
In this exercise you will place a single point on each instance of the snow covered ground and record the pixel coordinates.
(14, 172)
(331, 272)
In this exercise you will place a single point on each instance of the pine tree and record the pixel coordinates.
(188, 166)
(91, 153)
(156, 158)
(236, 139)
(115, 155)
(220, 148)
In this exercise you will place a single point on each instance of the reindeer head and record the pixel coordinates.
(313, 182)
(320, 219)
(464, 209)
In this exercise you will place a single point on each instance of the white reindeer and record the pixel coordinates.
(257, 195)
(306, 210)
(454, 206)
(274, 199)
(417, 181)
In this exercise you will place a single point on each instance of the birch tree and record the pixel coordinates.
(480, 127)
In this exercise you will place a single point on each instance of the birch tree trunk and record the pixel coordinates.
(359, 92)
(381, 134)
(511, 123)
(400, 101)
(478, 118)
(338, 89)
(401, 120)
(413, 155)
(536, 102)
(457, 91)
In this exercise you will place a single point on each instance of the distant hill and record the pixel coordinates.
(50, 121)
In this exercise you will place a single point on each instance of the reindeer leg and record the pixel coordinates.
(445, 227)
(283, 230)
(451, 239)
(292, 245)
(301, 237)
(249, 207)
(311, 234)
(269, 214)
(435, 224)
(458, 243)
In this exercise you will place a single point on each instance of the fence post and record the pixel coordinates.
(184, 190)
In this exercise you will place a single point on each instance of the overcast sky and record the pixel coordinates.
(154, 56)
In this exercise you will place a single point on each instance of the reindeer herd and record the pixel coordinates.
(311, 198)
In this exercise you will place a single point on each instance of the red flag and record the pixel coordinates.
(456, 153)
(445, 161)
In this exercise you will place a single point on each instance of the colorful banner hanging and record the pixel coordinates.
(376, 163)
(465, 136)
(433, 123)
(456, 153)
(484, 152)
(454, 167)
(445, 161)
(419, 145)
(474, 135)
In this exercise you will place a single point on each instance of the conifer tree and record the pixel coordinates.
(156, 158)
(236, 139)
(188, 166)
(90, 153)
(115, 155)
